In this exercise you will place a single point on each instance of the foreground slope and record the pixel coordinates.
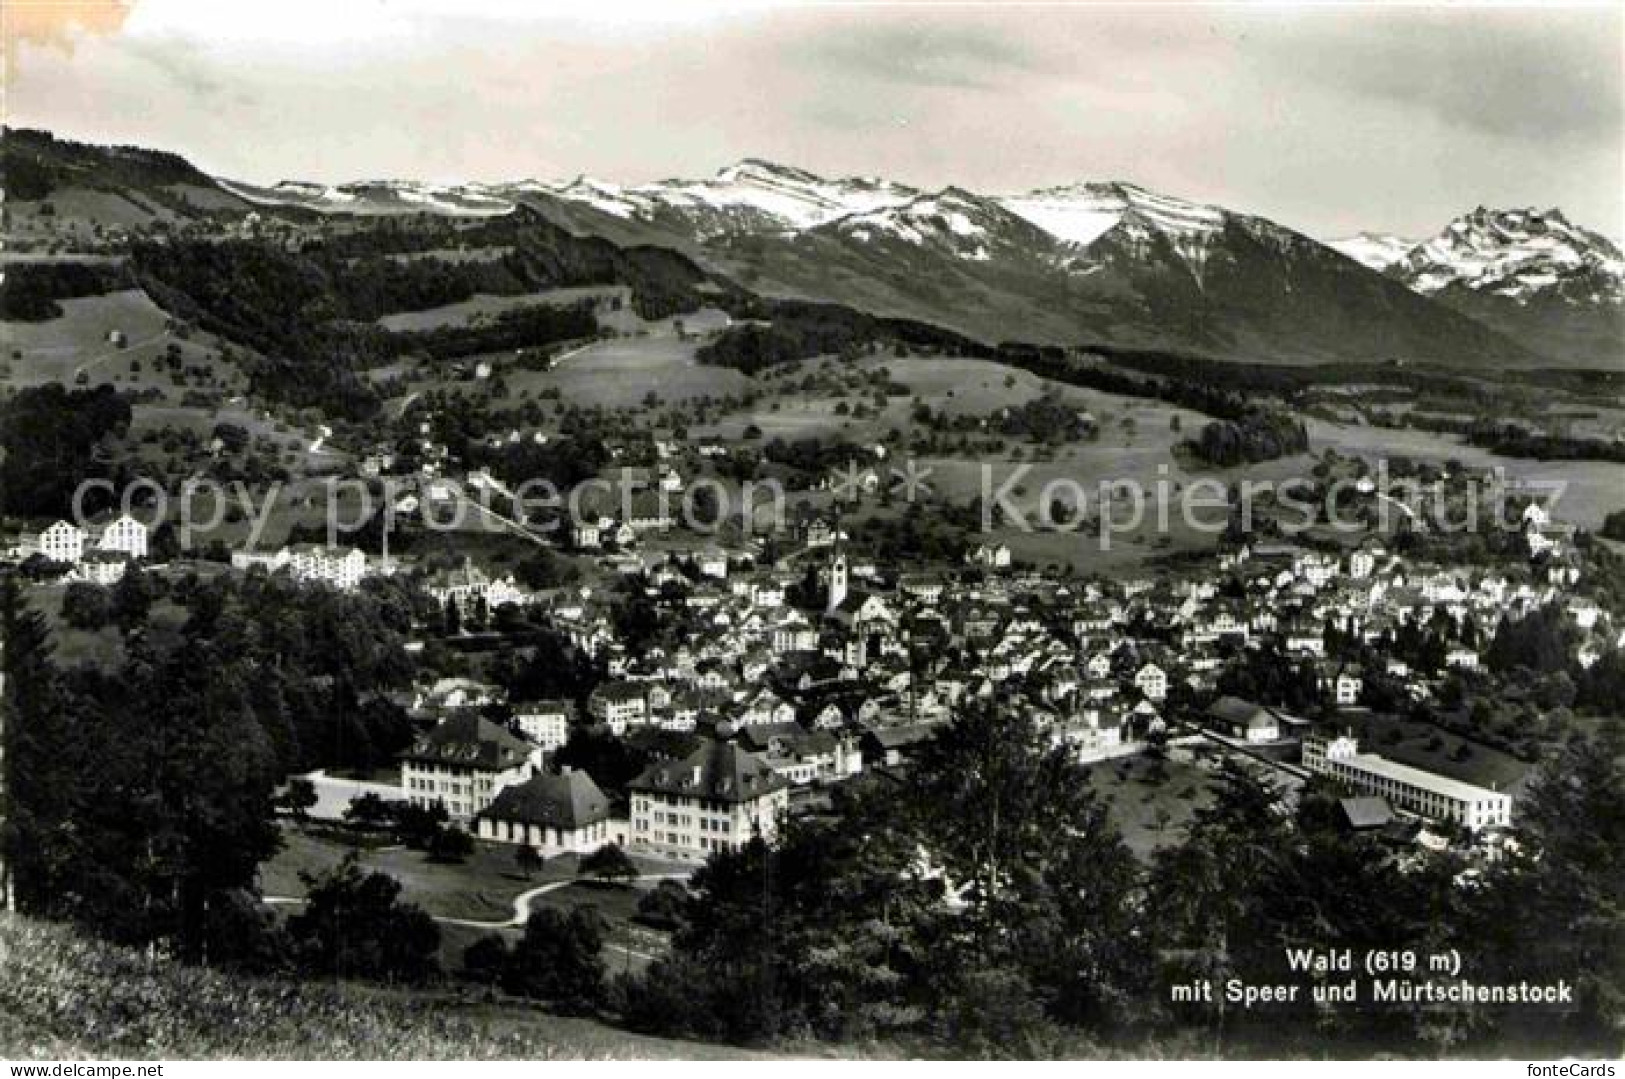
(65, 996)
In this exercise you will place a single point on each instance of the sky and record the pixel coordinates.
(1329, 119)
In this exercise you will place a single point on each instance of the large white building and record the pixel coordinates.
(1421, 792)
(468, 585)
(330, 565)
(464, 763)
(63, 542)
(335, 566)
(717, 798)
(125, 535)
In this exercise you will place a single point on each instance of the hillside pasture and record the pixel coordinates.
(485, 307)
(622, 372)
(1590, 489)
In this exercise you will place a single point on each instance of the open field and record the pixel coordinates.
(481, 889)
(622, 372)
(57, 349)
(1152, 807)
(483, 308)
(1591, 489)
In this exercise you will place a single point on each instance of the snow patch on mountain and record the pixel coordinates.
(1374, 250)
(751, 194)
(376, 196)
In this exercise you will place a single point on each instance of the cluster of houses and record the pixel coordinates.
(787, 697)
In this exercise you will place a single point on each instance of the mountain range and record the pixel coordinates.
(1092, 262)
(1529, 273)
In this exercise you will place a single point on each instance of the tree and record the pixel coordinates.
(609, 862)
(559, 959)
(298, 798)
(1015, 826)
(86, 606)
(528, 859)
(663, 907)
(368, 810)
(354, 925)
(450, 844)
(486, 959)
(132, 598)
(1557, 908)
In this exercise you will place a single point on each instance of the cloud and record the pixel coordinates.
(1328, 119)
(1527, 75)
(56, 24)
(922, 53)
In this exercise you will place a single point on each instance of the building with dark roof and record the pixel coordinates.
(463, 763)
(1244, 720)
(555, 813)
(714, 799)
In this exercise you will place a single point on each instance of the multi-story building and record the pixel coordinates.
(468, 586)
(717, 798)
(125, 535)
(547, 723)
(464, 763)
(63, 542)
(619, 705)
(327, 565)
(1152, 680)
(1421, 792)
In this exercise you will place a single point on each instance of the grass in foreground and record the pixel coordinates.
(65, 996)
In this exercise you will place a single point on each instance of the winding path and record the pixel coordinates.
(521, 908)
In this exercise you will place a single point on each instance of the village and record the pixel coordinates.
(762, 681)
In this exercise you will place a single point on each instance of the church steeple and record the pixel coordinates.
(838, 571)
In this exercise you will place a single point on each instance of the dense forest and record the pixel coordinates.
(29, 291)
(146, 822)
(525, 327)
(1259, 435)
(52, 439)
(797, 331)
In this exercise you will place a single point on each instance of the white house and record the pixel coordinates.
(102, 567)
(555, 814)
(717, 798)
(1152, 680)
(1244, 720)
(1347, 686)
(547, 723)
(619, 704)
(330, 565)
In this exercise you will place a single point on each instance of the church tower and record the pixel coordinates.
(837, 578)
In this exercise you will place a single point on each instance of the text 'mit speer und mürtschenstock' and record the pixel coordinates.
(1372, 977)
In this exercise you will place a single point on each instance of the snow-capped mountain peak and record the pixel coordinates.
(1082, 212)
(749, 195)
(1519, 254)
